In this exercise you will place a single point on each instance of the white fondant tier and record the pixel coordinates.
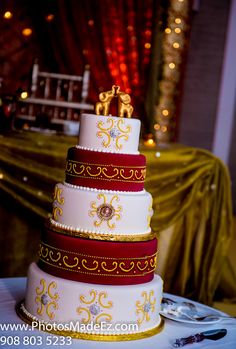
(109, 134)
(102, 212)
(54, 300)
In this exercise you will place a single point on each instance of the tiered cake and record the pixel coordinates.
(97, 255)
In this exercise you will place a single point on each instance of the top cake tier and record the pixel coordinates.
(109, 134)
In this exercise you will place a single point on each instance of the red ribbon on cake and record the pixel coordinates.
(98, 262)
(122, 172)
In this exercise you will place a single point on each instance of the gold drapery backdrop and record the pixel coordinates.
(192, 208)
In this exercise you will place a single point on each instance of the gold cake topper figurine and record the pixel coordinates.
(124, 106)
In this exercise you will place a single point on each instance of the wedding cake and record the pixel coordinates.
(97, 255)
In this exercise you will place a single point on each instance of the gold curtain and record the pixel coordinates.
(193, 218)
(192, 208)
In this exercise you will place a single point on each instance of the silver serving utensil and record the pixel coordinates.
(212, 316)
(170, 302)
(189, 311)
(181, 312)
(199, 337)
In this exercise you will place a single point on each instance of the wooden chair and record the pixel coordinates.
(54, 99)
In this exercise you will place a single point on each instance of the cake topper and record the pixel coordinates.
(124, 106)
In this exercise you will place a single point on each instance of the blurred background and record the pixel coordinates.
(176, 58)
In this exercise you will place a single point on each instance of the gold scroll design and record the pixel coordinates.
(74, 168)
(94, 307)
(57, 196)
(106, 211)
(94, 264)
(113, 131)
(46, 299)
(145, 307)
(124, 107)
(81, 170)
(58, 199)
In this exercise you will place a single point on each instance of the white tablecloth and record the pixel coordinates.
(12, 290)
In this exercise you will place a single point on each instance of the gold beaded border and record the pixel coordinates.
(96, 236)
(92, 336)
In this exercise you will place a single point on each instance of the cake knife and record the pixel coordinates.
(198, 337)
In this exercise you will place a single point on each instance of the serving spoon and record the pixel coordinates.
(189, 310)
(209, 316)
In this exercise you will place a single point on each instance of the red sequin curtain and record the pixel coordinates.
(113, 37)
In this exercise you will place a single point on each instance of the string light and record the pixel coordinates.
(149, 140)
(27, 31)
(8, 15)
(49, 17)
(147, 45)
(24, 95)
(178, 12)
(157, 127)
(176, 45)
(177, 30)
(91, 22)
(165, 112)
(178, 20)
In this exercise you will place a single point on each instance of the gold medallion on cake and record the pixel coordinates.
(106, 212)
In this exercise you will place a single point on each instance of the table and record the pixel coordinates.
(12, 290)
(191, 201)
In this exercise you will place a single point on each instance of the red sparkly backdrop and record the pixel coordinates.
(113, 37)
(121, 41)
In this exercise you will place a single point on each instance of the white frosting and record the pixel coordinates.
(109, 134)
(102, 212)
(55, 300)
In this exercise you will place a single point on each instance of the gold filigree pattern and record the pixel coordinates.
(75, 260)
(106, 211)
(113, 132)
(84, 264)
(144, 308)
(132, 174)
(46, 298)
(104, 266)
(75, 169)
(94, 265)
(94, 306)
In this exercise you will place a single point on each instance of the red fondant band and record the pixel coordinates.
(124, 172)
(98, 262)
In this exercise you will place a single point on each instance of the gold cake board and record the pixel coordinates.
(92, 336)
